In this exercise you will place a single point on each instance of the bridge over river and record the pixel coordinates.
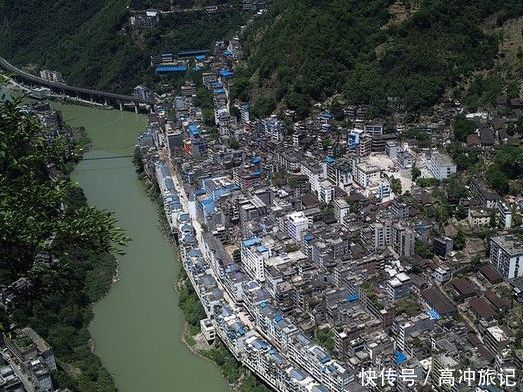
(117, 100)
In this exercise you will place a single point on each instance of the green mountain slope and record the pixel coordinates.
(368, 51)
(85, 41)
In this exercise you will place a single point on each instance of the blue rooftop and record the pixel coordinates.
(433, 314)
(399, 357)
(225, 73)
(251, 241)
(262, 249)
(329, 159)
(219, 91)
(227, 53)
(200, 57)
(194, 129)
(256, 160)
(308, 237)
(353, 298)
(170, 68)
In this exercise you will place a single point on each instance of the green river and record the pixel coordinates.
(137, 326)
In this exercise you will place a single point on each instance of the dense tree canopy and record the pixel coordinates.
(36, 195)
(85, 40)
(304, 51)
(43, 213)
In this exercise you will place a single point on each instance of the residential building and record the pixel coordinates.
(398, 286)
(208, 329)
(441, 165)
(478, 217)
(341, 210)
(296, 224)
(505, 215)
(442, 274)
(506, 256)
(326, 193)
(403, 239)
(442, 246)
(253, 256)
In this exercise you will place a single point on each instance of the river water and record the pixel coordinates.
(137, 326)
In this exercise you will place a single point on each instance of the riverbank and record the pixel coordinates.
(137, 326)
(61, 257)
(239, 378)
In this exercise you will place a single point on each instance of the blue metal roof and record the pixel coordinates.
(170, 68)
(353, 298)
(251, 241)
(399, 357)
(226, 73)
(329, 159)
(433, 314)
(194, 129)
(262, 249)
(200, 57)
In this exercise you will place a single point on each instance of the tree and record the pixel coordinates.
(463, 127)
(325, 338)
(459, 241)
(423, 249)
(234, 144)
(395, 185)
(35, 205)
(415, 172)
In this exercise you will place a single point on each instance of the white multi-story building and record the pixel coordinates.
(326, 193)
(274, 128)
(506, 256)
(382, 234)
(364, 174)
(403, 239)
(505, 215)
(341, 210)
(314, 173)
(441, 165)
(398, 286)
(253, 255)
(296, 224)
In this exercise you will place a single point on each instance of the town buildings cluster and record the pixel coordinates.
(317, 252)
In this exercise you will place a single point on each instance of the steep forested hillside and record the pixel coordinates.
(85, 41)
(369, 51)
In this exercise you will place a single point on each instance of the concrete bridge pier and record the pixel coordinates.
(105, 101)
(151, 108)
(91, 98)
(121, 105)
(136, 107)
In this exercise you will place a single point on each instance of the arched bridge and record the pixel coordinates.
(79, 92)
